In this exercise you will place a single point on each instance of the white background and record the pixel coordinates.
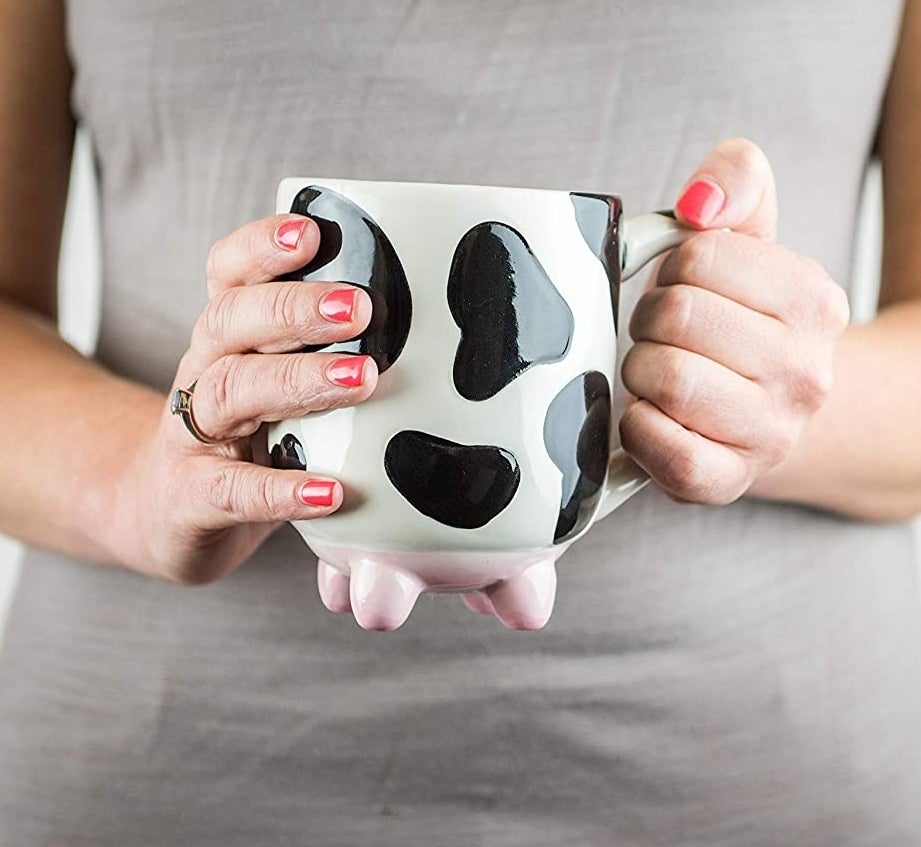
(80, 281)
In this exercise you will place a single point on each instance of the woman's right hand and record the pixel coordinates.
(191, 513)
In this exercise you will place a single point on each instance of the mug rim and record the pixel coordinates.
(454, 186)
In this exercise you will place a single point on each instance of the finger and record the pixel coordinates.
(733, 187)
(688, 466)
(698, 393)
(696, 319)
(232, 492)
(240, 392)
(261, 251)
(765, 277)
(277, 317)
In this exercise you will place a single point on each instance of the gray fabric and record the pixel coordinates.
(746, 675)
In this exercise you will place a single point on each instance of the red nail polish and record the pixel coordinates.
(347, 372)
(701, 202)
(317, 492)
(288, 235)
(338, 306)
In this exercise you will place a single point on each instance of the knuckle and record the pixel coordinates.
(239, 491)
(745, 155)
(833, 307)
(214, 261)
(630, 428)
(674, 312)
(224, 491)
(752, 155)
(782, 442)
(262, 495)
(293, 383)
(819, 385)
(222, 382)
(684, 474)
(676, 383)
(213, 322)
(842, 308)
(627, 370)
(829, 302)
(810, 386)
(694, 258)
(285, 310)
(687, 478)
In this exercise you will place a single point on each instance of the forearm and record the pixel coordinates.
(861, 454)
(69, 428)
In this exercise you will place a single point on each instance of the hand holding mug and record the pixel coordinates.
(191, 512)
(734, 346)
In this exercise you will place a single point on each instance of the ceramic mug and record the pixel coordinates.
(484, 452)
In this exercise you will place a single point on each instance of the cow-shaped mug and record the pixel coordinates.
(484, 451)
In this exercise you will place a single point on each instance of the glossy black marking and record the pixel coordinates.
(577, 433)
(510, 314)
(289, 455)
(598, 217)
(354, 249)
(459, 485)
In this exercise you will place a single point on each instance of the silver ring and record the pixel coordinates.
(181, 404)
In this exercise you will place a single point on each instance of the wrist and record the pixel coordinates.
(779, 483)
(111, 516)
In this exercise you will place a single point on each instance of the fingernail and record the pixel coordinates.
(317, 492)
(701, 202)
(288, 235)
(338, 306)
(347, 372)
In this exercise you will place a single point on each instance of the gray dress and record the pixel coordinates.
(747, 675)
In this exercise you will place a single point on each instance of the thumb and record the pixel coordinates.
(733, 188)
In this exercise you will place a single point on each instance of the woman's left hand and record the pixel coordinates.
(734, 345)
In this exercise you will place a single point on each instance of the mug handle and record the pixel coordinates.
(642, 238)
